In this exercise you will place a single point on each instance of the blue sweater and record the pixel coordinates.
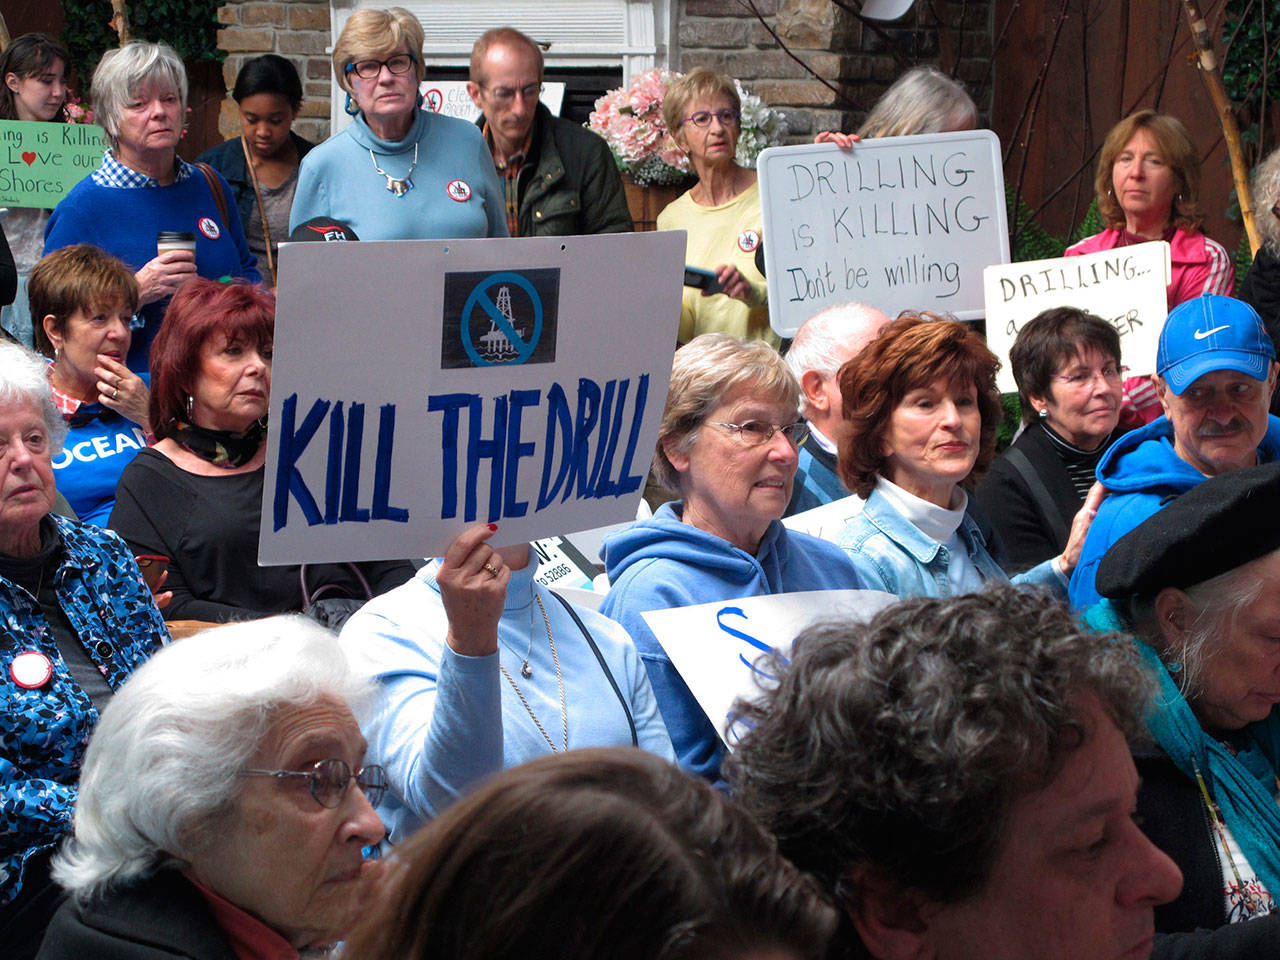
(337, 179)
(664, 562)
(443, 721)
(1141, 472)
(124, 221)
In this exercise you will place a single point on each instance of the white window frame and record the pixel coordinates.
(635, 35)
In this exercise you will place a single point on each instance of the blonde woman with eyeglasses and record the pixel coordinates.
(727, 446)
(720, 213)
(398, 172)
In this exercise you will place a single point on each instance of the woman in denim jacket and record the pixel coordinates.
(921, 407)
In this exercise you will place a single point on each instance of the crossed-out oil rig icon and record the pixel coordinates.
(496, 346)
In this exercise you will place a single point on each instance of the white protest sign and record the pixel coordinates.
(421, 386)
(898, 223)
(450, 97)
(827, 521)
(715, 646)
(1125, 287)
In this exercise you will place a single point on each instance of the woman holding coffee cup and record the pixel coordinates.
(143, 193)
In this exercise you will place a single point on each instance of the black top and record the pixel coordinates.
(8, 273)
(1195, 924)
(1025, 529)
(160, 916)
(208, 527)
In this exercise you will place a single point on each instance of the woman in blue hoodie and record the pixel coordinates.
(398, 172)
(727, 446)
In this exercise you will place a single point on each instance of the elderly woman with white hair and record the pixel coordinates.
(727, 447)
(224, 804)
(144, 195)
(76, 619)
(398, 172)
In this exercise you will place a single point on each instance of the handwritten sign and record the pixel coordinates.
(715, 646)
(41, 162)
(450, 97)
(423, 386)
(898, 223)
(1125, 286)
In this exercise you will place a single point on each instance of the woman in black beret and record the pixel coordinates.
(1198, 585)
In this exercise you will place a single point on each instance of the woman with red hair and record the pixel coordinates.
(196, 496)
(922, 410)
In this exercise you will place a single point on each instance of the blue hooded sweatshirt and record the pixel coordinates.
(1142, 473)
(664, 562)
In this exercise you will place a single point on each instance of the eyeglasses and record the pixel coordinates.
(727, 118)
(1084, 378)
(328, 780)
(400, 64)
(755, 432)
(504, 95)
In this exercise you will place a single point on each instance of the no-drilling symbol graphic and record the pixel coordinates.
(505, 318)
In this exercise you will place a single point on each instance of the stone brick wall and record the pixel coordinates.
(296, 29)
(853, 58)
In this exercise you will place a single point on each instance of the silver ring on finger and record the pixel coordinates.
(491, 568)
(115, 394)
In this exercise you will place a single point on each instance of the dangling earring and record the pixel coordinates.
(351, 109)
(188, 403)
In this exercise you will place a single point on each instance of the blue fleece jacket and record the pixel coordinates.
(124, 221)
(664, 562)
(1142, 473)
(456, 192)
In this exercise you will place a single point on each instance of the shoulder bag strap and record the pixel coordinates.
(262, 210)
(1040, 494)
(626, 708)
(215, 188)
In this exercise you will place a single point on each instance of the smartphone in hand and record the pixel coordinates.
(704, 280)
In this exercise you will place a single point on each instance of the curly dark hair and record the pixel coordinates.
(911, 352)
(595, 854)
(903, 743)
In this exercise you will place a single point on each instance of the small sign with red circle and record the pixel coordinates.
(748, 240)
(209, 227)
(459, 190)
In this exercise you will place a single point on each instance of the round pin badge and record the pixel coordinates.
(459, 190)
(31, 669)
(748, 240)
(209, 227)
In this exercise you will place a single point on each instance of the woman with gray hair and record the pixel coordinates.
(366, 175)
(1198, 585)
(922, 100)
(224, 804)
(144, 197)
(76, 619)
(1261, 286)
(727, 447)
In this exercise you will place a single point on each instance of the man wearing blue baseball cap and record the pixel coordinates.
(1215, 371)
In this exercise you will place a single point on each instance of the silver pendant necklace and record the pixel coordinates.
(397, 185)
(564, 716)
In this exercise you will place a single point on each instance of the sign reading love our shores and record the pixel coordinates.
(1126, 287)
(897, 223)
(41, 162)
(420, 387)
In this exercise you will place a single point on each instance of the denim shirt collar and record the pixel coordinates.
(896, 527)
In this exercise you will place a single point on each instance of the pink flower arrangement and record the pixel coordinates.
(630, 120)
(76, 113)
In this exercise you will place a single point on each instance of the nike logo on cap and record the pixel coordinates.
(1201, 334)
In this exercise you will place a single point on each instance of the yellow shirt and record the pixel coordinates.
(729, 233)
